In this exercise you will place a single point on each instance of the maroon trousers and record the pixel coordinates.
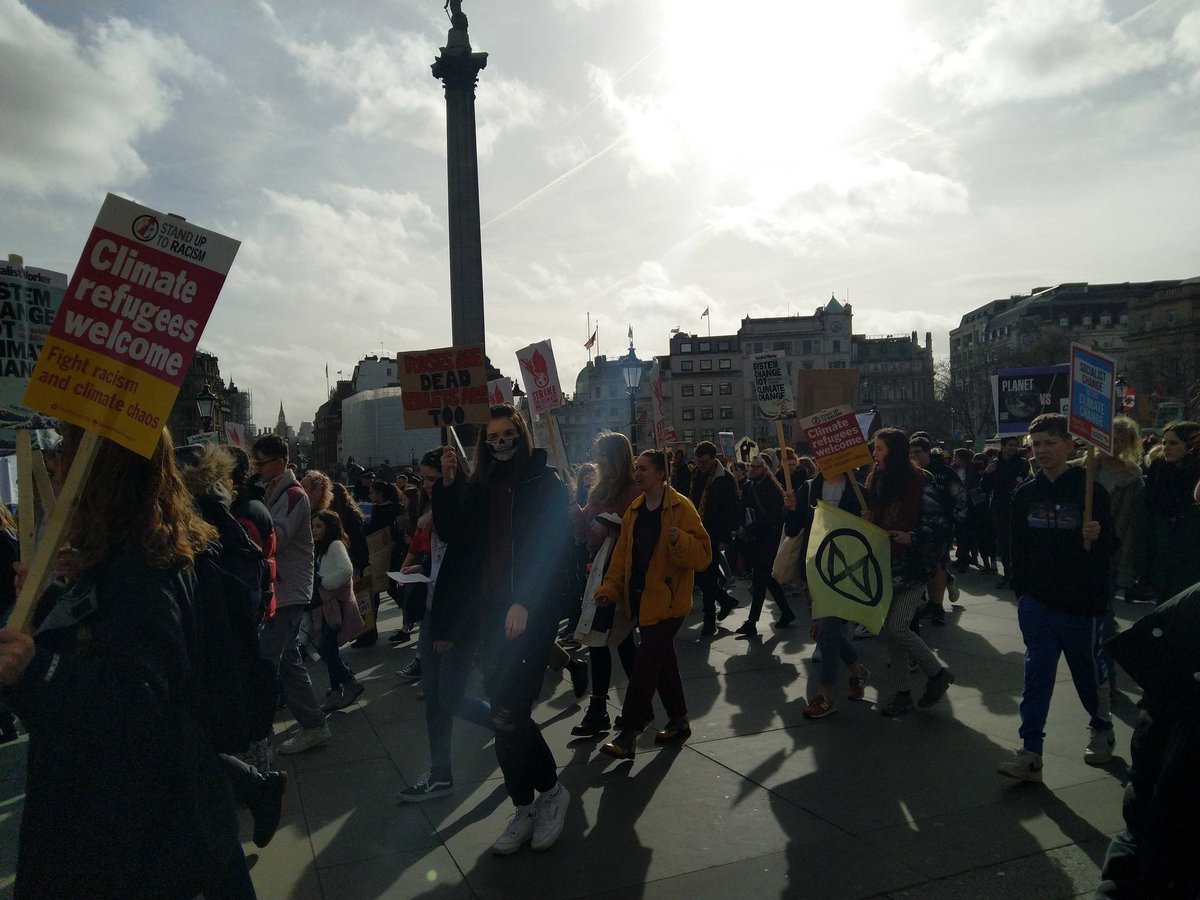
(656, 669)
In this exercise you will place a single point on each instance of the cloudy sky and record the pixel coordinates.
(639, 160)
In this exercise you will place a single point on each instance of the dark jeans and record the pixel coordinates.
(513, 672)
(601, 658)
(1003, 538)
(339, 673)
(656, 669)
(761, 581)
(710, 588)
(444, 679)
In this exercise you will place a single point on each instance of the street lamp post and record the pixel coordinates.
(631, 369)
(205, 401)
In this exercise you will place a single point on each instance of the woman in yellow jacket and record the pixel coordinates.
(662, 543)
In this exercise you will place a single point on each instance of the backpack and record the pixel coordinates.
(234, 688)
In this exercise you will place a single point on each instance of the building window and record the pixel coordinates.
(838, 364)
(687, 390)
(806, 347)
(785, 346)
(685, 347)
(725, 364)
(837, 346)
(685, 365)
(1124, 318)
(1087, 320)
(723, 346)
(689, 436)
(726, 412)
(706, 346)
(612, 391)
(689, 413)
(758, 346)
(706, 365)
(1106, 321)
(706, 390)
(725, 388)
(706, 412)
(1064, 322)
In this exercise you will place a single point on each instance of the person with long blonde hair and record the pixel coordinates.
(610, 495)
(107, 675)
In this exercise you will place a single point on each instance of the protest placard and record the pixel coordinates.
(664, 434)
(1093, 396)
(1021, 395)
(29, 299)
(818, 389)
(849, 568)
(725, 445)
(235, 435)
(129, 323)
(837, 441)
(539, 374)
(772, 388)
(443, 387)
(500, 391)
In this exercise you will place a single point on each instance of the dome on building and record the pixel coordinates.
(584, 379)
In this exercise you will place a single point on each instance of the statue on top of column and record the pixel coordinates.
(457, 18)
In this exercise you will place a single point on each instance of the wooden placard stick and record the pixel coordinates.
(1089, 490)
(26, 513)
(41, 480)
(787, 474)
(556, 444)
(463, 462)
(44, 558)
(862, 501)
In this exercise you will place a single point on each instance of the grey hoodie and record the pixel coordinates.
(294, 542)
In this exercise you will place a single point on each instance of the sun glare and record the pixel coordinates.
(775, 87)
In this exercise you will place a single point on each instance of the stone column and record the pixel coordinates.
(458, 69)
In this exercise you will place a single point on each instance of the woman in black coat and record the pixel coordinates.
(762, 527)
(125, 796)
(504, 583)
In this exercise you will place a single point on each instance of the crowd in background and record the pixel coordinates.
(502, 565)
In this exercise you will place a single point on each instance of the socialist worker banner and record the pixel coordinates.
(129, 323)
(849, 568)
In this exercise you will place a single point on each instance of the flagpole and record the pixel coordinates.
(589, 334)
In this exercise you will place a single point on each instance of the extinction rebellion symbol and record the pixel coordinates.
(847, 565)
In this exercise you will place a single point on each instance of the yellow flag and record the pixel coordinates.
(849, 568)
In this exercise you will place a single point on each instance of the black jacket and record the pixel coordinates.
(125, 796)
(1049, 562)
(1001, 483)
(721, 513)
(762, 517)
(542, 579)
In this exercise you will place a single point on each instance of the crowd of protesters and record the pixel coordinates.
(507, 567)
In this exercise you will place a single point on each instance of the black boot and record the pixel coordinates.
(595, 720)
(266, 806)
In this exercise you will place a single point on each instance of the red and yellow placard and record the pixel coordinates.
(129, 323)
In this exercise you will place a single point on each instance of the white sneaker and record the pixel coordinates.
(305, 739)
(519, 830)
(1024, 766)
(551, 814)
(952, 591)
(1100, 746)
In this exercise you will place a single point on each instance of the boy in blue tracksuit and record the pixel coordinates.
(1062, 589)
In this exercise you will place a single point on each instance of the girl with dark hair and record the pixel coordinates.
(1167, 528)
(109, 671)
(762, 525)
(609, 497)
(662, 545)
(443, 673)
(504, 582)
(354, 522)
(902, 498)
(336, 618)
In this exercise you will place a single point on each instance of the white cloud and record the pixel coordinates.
(387, 77)
(327, 280)
(852, 202)
(1031, 49)
(1186, 41)
(77, 105)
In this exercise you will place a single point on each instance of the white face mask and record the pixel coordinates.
(503, 448)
